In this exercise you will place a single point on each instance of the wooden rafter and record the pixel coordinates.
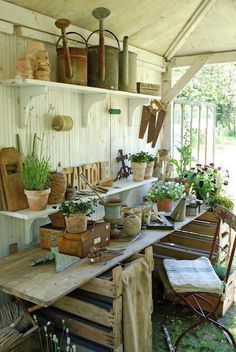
(172, 93)
(217, 58)
(188, 28)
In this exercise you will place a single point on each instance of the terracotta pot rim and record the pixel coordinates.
(43, 191)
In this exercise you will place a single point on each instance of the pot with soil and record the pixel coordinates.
(36, 178)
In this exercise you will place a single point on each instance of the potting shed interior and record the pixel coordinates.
(88, 119)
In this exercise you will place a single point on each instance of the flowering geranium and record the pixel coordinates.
(165, 190)
(206, 179)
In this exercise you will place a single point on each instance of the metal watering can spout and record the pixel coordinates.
(62, 24)
(125, 67)
(100, 13)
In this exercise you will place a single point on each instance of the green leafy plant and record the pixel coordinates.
(206, 180)
(78, 206)
(151, 158)
(140, 157)
(165, 190)
(222, 199)
(36, 173)
(185, 159)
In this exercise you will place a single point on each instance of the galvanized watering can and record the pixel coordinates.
(127, 69)
(71, 61)
(103, 60)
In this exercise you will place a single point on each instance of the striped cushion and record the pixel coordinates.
(195, 275)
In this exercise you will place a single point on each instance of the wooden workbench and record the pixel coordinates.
(43, 286)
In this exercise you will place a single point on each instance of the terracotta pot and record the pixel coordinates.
(149, 170)
(37, 200)
(138, 170)
(76, 223)
(164, 205)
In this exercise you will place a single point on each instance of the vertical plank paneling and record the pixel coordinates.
(99, 141)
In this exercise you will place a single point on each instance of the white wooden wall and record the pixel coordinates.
(100, 141)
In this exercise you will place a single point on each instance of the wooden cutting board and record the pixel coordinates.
(11, 174)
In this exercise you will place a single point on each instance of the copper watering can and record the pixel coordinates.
(71, 61)
(127, 69)
(103, 60)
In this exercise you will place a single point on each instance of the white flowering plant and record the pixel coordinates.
(165, 190)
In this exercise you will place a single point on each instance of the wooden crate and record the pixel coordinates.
(202, 227)
(208, 216)
(93, 312)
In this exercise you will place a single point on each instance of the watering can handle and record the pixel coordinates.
(105, 30)
(84, 40)
(102, 54)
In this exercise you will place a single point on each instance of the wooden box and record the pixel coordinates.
(76, 243)
(93, 313)
(148, 88)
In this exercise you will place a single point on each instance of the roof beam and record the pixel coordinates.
(183, 81)
(188, 28)
(217, 58)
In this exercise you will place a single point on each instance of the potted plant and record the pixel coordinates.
(150, 164)
(36, 178)
(76, 212)
(138, 165)
(164, 193)
(206, 180)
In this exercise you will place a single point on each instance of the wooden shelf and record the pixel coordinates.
(32, 87)
(118, 186)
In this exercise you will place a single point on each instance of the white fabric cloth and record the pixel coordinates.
(195, 275)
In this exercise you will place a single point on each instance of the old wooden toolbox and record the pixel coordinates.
(93, 313)
(76, 243)
(148, 88)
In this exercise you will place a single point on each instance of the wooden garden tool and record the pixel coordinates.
(160, 119)
(144, 121)
(152, 117)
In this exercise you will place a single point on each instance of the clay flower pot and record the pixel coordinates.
(149, 170)
(164, 205)
(76, 223)
(37, 200)
(138, 170)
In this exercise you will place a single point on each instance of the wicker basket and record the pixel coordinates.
(58, 188)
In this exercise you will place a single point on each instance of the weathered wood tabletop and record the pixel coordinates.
(42, 285)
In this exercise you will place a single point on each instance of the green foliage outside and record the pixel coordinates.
(215, 84)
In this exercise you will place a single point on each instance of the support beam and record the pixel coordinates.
(189, 27)
(217, 58)
(183, 81)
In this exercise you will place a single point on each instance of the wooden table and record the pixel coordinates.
(43, 286)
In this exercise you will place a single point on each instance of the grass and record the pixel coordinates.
(206, 338)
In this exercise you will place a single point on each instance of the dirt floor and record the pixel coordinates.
(206, 338)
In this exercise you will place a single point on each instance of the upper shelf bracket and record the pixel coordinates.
(88, 101)
(25, 96)
(133, 104)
